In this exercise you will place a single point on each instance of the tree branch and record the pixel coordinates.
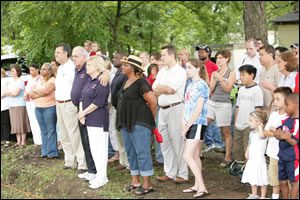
(132, 9)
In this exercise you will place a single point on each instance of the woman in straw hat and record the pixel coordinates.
(136, 114)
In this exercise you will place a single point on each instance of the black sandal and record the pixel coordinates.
(129, 188)
(143, 191)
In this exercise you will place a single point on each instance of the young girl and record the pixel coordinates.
(255, 171)
(194, 123)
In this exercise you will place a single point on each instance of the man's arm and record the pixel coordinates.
(163, 89)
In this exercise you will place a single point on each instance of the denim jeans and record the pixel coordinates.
(138, 148)
(47, 121)
(213, 135)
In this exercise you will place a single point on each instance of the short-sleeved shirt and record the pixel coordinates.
(289, 152)
(274, 120)
(251, 61)
(132, 108)
(64, 81)
(95, 93)
(5, 100)
(248, 99)
(273, 76)
(31, 84)
(288, 81)
(80, 80)
(174, 77)
(210, 68)
(17, 100)
(49, 99)
(116, 85)
(196, 90)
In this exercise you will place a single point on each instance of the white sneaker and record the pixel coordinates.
(208, 148)
(251, 196)
(83, 175)
(90, 176)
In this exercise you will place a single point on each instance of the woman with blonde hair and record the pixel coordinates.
(93, 113)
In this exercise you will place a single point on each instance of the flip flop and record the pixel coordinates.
(189, 190)
(199, 195)
(143, 191)
(129, 188)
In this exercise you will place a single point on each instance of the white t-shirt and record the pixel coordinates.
(288, 81)
(248, 99)
(5, 100)
(274, 120)
(174, 77)
(64, 81)
(17, 100)
(251, 61)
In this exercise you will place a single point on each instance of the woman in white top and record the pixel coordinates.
(30, 106)
(5, 121)
(17, 111)
(287, 65)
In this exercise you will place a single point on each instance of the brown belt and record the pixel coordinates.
(63, 101)
(171, 105)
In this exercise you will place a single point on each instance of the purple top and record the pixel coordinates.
(80, 81)
(97, 94)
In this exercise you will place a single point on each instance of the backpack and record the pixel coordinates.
(237, 168)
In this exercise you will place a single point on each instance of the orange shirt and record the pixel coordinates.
(49, 99)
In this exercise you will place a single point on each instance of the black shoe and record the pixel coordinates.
(67, 167)
(156, 163)
(42, 156)
(53, 157)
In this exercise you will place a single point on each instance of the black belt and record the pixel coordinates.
(63, 101)
(171, 105)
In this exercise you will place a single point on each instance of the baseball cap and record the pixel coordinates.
(203, 47)
(295, 45)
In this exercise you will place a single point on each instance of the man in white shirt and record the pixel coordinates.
(169, 87)
(66, 111)
(252, 58)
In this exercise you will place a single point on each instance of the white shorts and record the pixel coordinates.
(220, 112)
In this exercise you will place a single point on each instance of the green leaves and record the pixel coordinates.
(35, 28)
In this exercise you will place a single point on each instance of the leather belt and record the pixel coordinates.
(63, 101)
(171, 105)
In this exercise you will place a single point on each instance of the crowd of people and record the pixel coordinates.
(83, 102)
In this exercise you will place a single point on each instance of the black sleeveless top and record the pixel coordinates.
(132, 109)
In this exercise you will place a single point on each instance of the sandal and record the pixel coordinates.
(199, 195)
(16, 145)
(190, 190)
(143, 191)
(129, 188)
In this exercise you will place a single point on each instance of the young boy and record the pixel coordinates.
(250, 98)
(288, 136)
(274, 121)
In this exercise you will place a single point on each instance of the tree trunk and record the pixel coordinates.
(255, 22)
(115, 28)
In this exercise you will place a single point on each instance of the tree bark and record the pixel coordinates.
(255, 22)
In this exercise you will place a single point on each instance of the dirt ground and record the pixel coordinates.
(219, 183)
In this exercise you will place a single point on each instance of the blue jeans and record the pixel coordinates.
(213, 135)
(138, 148)
(46, 118)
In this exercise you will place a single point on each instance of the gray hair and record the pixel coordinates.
(82, 51)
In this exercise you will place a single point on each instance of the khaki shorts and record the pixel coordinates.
(273, 172)
(220, 112)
